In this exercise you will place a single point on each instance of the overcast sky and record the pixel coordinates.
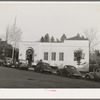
(37, 19)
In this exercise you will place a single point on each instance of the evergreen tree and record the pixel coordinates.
(57, 40)
(63, 37)
(52, 39)
(46, 38)
(42, 39)
(78, 56)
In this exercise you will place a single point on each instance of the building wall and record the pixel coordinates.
(68, 48)
(24, 46)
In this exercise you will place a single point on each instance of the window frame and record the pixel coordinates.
(61, 56)
(53, 56)
(46, 55)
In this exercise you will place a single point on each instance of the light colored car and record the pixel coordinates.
(95, 75)
(23, 64)
(7, 62)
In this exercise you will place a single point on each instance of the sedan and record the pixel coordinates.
(69, 71)
(43, 68)
(95, 75)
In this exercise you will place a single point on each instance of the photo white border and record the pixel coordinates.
(53, 93)
(49, 94)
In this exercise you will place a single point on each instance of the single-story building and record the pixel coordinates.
(57, 54)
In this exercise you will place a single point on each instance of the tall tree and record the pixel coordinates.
(78, 56)
(91, 35)
(57, 40)
(42, 39)
(52, 39)
(13, 37)
(13, 34)
(46, 38)
(63, 37)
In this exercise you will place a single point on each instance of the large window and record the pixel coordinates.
(53, 57)
(61, 56)
(45, 55)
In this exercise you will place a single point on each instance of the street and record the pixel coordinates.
(15, 78)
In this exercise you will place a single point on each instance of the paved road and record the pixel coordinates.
(14, 78)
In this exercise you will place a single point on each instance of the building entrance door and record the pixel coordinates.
(29, 56)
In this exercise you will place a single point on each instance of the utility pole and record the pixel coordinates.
(13, 44)
(7, 33)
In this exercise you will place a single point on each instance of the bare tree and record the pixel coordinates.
(13, 34)
(91, 35)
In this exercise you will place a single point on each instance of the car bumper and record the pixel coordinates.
(77, 75)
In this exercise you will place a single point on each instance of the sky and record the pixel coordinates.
(35, 19)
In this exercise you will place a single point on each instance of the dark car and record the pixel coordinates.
(95, 75)
(69, 71)
(7, 62)
(43, 67)
(1, 62)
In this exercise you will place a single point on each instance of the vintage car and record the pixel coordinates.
(23, 64)
(43, 67)
(7, 62)
(1, 62)
(69, 71)
(95, 75)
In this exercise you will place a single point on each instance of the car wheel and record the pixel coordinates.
(58, 73)
(87, 77)
(41, 71)
(50, 72)
(78, 77)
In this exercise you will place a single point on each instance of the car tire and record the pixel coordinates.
(68, 75)
(41, 71)
(58, 73)
(50, 72)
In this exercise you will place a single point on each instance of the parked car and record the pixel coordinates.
(43, 67)
(1, 62)
(69, 71)
(95, 75)
(7, 62)
(92, 66)
(23, 64)
(15, 64)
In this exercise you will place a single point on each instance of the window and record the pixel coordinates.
(53, 56)
(45, 55)
(61, 56)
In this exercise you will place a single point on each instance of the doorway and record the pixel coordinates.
(29, 56)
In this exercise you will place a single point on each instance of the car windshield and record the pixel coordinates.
(46, 65)
(71, 67)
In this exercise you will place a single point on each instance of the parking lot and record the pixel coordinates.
(15, 78)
